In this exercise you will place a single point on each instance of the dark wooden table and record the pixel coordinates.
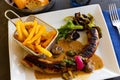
(4, 53)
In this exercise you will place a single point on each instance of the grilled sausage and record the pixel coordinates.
(93, 41)
(46, 66)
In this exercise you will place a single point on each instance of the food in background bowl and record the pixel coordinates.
(20, 3)
(30, 4)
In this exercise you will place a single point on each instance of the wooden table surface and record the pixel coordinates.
(4, 53)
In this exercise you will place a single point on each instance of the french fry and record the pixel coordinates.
(31, 46)
(37, 29)
(44, 36)
(51, 36)
(23, 29)
(31, 33)
(42, 29)
(18, 28)
(28, 23)
(37, 42)
(29, 30)
(44, 51)
(29, 27)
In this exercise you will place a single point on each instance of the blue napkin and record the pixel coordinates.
(115, 36)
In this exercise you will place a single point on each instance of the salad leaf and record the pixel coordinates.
(71, 25)
(63, 31)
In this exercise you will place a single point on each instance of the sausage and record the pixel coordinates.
(46, 66)
(93, 41)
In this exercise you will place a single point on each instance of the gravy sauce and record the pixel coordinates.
(78, 74)
(74, 45)
(70, 45)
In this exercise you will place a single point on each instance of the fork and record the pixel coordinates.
(114, 16)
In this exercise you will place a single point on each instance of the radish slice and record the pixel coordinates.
(79, 62)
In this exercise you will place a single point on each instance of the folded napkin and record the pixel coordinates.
(115, 36)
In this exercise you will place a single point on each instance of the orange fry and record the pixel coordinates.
(44, 36)
(51, 36)
(18, 28)
(37, 42)
(23, 29)
(44, 51)
(28, 23)
(31, 33)
(37, 29)
(31, 46)
(42, 29)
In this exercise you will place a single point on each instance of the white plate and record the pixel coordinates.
(55, 18)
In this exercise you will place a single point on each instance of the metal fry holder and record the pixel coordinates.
(32, 18)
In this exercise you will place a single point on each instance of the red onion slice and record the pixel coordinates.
(79, 62)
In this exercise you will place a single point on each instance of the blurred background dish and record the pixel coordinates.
(76, 3)
(30, 7)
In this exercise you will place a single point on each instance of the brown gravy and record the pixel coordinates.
(97, 63)
(70, 45)
(66, 45)
(74, 45)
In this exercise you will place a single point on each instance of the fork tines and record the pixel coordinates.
(113, 11)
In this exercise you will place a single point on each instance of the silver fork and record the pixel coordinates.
(114, 16)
